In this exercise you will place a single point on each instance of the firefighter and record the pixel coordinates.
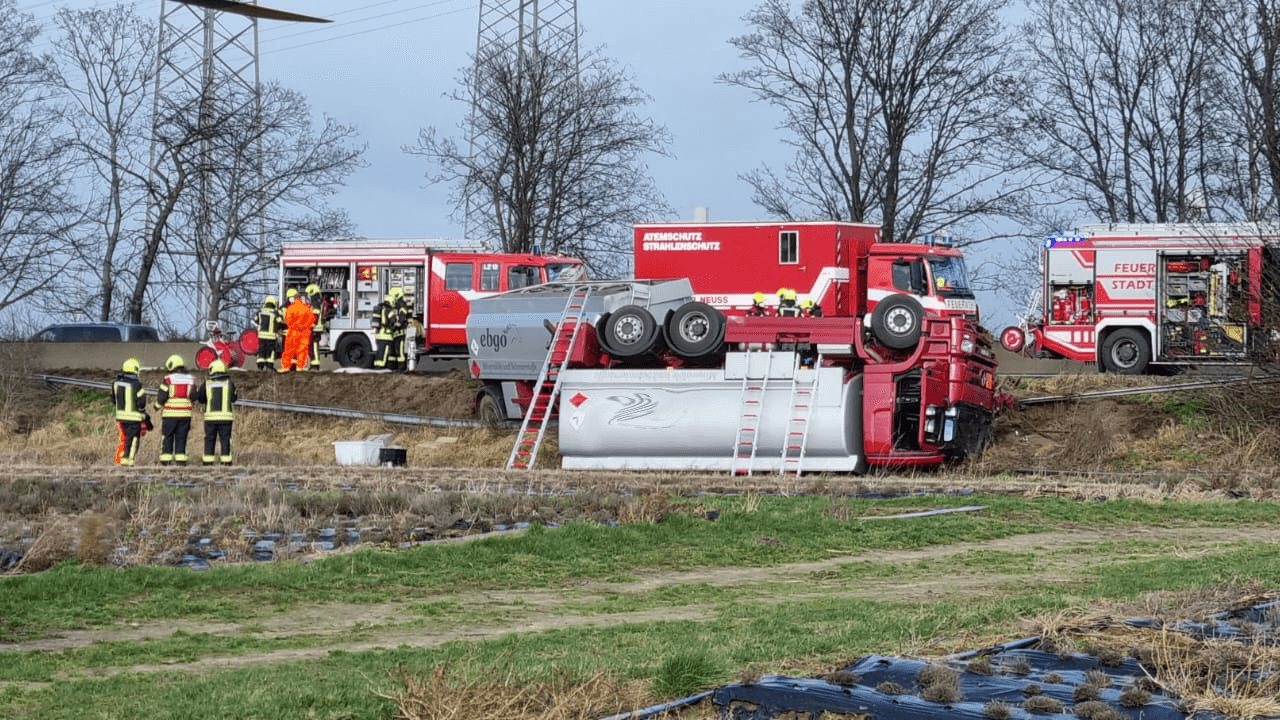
(397, 359)
(384, 323)
(758, 308)
(314, 300)
(299, 321)
(217, 396)
(811, 308)
(787, 306)
(269, 324)
(131, 411)
(174, 403)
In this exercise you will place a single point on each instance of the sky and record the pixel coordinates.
(385, 66)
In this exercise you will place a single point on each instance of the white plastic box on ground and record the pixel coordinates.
(359, 452)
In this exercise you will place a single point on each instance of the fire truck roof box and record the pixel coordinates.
(1180, 229)
(399, 243)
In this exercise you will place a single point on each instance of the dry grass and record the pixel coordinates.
(439, 697)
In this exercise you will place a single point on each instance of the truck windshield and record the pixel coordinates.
(949, 277)
(557, 271)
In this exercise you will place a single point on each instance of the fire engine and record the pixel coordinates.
(729, 262)
(649, 376)
(440, 279)
(1131, 296)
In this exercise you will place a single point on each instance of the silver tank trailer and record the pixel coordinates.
(690, 419)
(507, 334)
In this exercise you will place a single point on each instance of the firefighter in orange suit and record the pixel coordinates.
(217, 395)
(300, 320)
(174, 403)
(131, 414)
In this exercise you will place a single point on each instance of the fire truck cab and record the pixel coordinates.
(729, 262)
(439, 278)
(1132, 296)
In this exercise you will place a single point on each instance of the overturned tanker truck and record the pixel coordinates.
(642, 376)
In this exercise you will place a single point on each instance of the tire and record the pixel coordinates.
(631, 332)
(490, 410)
(354, 351)
(695, 330)
(896, 321)
(1126, 352)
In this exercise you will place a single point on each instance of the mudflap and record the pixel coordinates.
(973, 432)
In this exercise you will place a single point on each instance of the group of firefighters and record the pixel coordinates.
(300, 324)
(303, 322)
(787, 305)
(175, 399)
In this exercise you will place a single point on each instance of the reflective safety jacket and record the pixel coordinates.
(385, 320)
(269, 323)
(217, 395)
(129, 397)
(175, 395)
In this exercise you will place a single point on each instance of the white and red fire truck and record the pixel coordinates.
(729, 262)
(651, 377)
(439, 278)
(1130, 296)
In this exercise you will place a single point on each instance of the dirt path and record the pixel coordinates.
(1054, 557)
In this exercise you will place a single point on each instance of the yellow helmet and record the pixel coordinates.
(313, 289)
(291, 294)
(807, 303)
(758, 298)
(217, 366)
(271, 300)
(397, 293)
(174, 362)
(132, 366)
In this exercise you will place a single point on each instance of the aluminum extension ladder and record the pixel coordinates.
(752, 405)
(525, 452)
(796, 439)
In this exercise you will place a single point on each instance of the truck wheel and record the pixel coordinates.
(1126, 352)
(489, 408)
(354, 351)
(695, 330)
(896, 321)
(631, 332)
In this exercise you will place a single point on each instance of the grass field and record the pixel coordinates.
(606, 618)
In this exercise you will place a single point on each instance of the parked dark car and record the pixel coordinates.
(97, 332)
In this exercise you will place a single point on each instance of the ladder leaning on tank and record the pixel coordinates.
(803, 396)
(752, 406)
(545, 392)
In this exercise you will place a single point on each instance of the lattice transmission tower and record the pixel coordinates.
(207, 54)
(527, 27)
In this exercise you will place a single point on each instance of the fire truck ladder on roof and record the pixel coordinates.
(796, 439)
(547, 389)
(752, 404)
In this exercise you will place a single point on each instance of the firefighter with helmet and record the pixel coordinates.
(130, 401)
(787, 306)
(217, 395)
(300, 320)
(314, 300)
(398, 361)
(270, 323)
(811, 308)
(758, 308)
(384, 321)
(174, 403)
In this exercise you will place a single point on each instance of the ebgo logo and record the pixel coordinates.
(495, 341)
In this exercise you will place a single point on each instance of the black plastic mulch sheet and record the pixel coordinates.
(1027, 683)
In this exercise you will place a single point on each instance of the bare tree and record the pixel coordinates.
(1121, 105)
(265, 172)
(108, 61)
(898, 111)
(558, 164)
(36, 168)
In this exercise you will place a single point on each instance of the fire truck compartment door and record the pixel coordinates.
(1070, 267)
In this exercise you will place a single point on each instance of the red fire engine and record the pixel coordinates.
(439, 278)
(729, 262)
(1132, 296)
